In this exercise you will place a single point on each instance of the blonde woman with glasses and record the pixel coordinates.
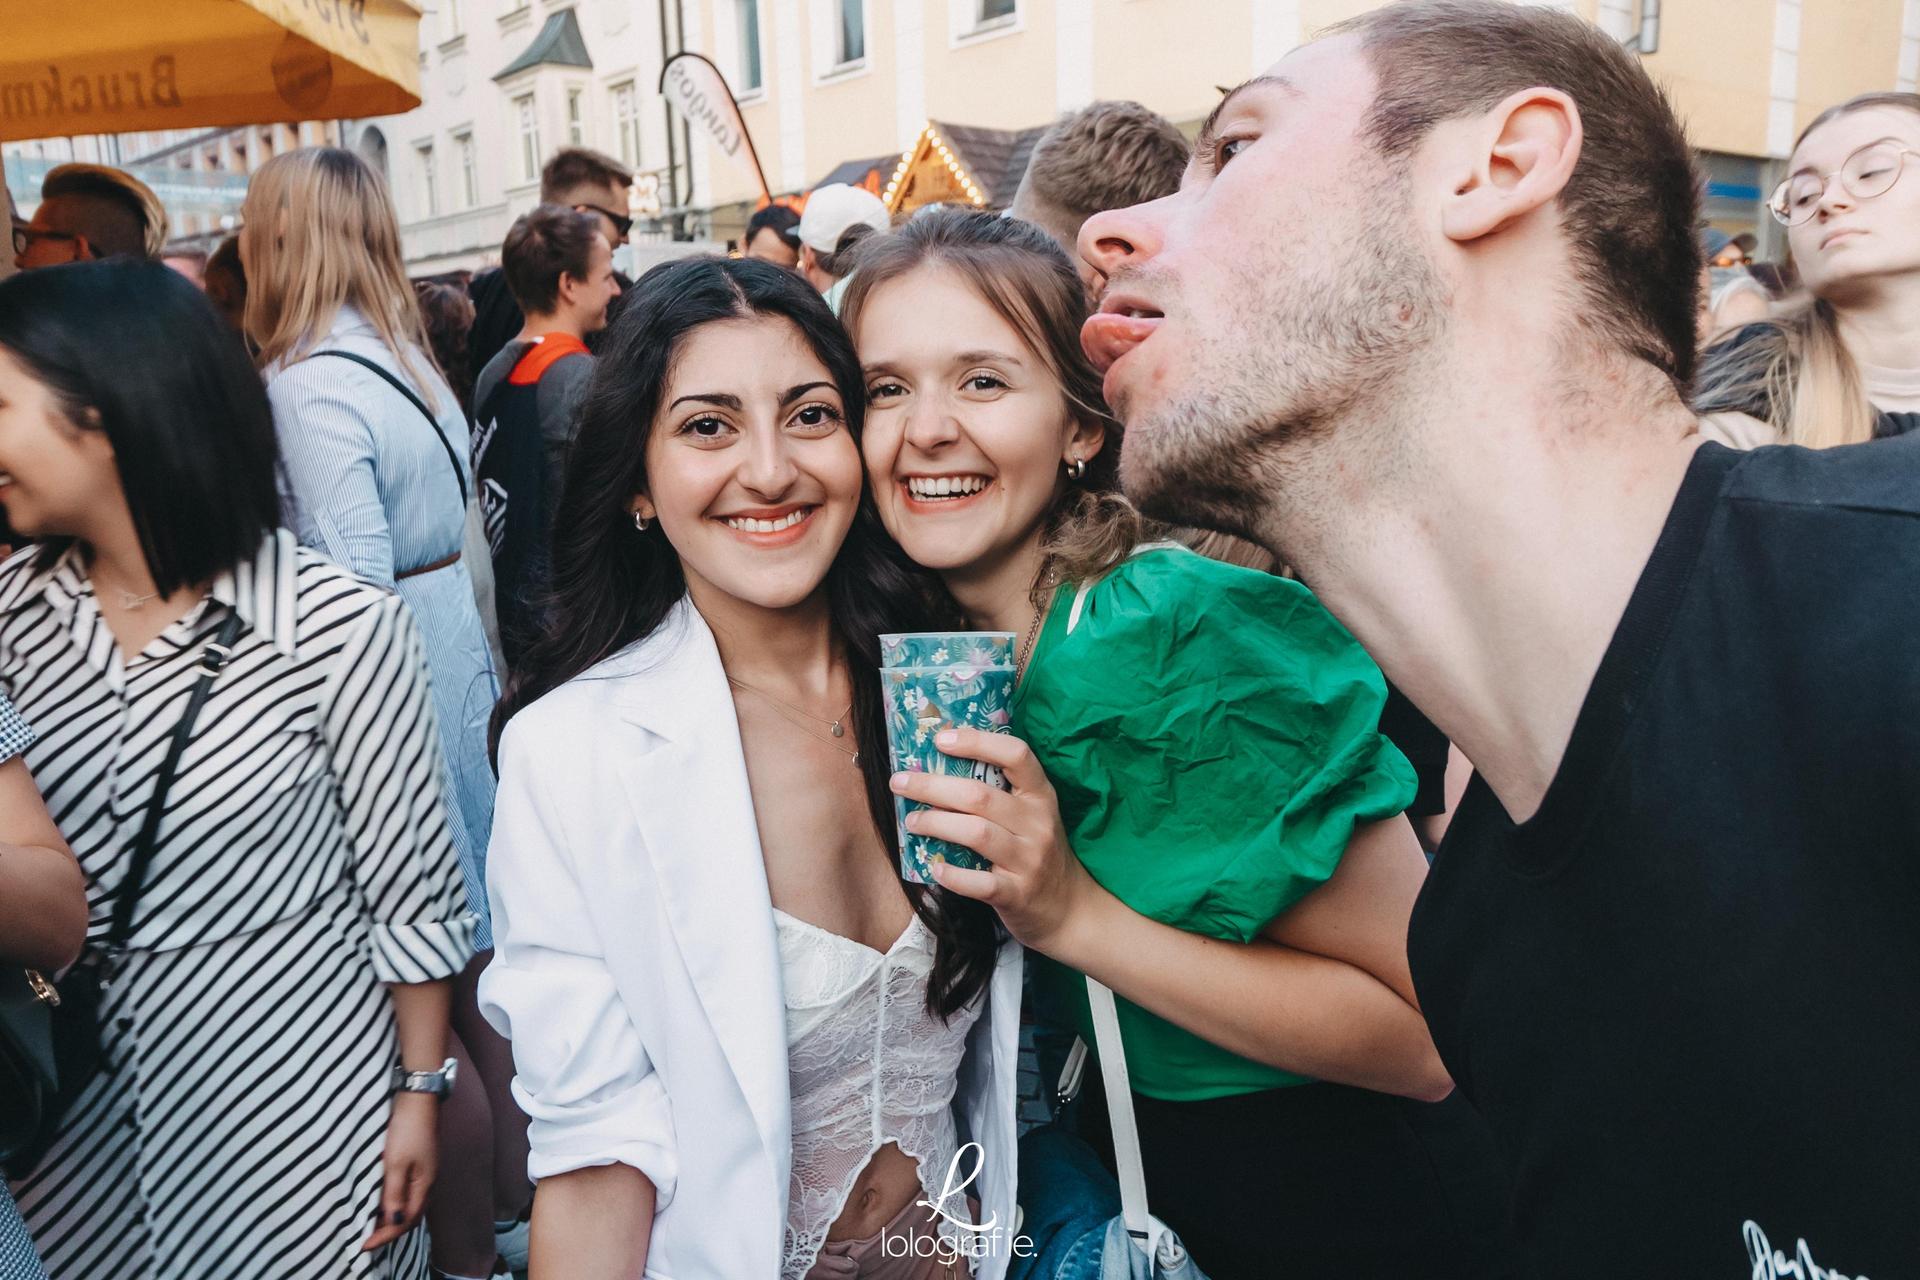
(375, 447)
(1843, 365)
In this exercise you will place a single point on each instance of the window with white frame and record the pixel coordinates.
(528, 125)
(626, 123)
(576, 119)
(469, 170)
(747, 24)
(850, 32)
(429, 188)
(993, 13)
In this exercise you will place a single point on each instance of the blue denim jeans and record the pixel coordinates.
(1067, 1197)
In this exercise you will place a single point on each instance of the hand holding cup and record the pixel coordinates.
(1030, 874)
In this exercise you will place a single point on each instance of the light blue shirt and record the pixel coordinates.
(371, 485)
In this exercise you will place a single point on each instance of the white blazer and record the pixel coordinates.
(637, 972)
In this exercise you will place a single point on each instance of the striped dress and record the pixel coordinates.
(371, 486)
(302, 862)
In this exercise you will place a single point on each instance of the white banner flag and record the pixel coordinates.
(700, 94)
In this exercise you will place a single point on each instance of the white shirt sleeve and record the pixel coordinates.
(583, 1075)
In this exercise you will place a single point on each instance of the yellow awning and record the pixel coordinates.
(127, 66)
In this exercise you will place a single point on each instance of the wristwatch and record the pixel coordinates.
(438, 1083)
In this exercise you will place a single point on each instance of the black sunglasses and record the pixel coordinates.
(620, 221)
(24, 235)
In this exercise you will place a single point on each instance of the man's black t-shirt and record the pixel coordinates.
(1425, 748)
(1686, 993)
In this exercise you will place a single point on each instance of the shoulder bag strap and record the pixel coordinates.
(215, 657)
(453, 459)
(1126, 1133)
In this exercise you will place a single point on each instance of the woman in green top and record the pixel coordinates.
(1205, 739)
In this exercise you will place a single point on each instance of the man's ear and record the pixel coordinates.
(1518, 158)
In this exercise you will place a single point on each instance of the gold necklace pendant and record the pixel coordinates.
(836, 724)
(787, 711)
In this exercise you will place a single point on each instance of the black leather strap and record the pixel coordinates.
(453, 459)
(218, 650)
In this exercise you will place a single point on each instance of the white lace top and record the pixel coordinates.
(868, 1066)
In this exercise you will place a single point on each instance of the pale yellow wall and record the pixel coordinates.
(761, 116)
(1716, 60)
(1317, 15)
(852, 119)
(1170, 54)
(1846, 47)
(1007, 82)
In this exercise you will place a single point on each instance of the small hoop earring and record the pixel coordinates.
(640, 522)
(1077, 469)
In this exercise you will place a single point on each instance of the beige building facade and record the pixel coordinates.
(851, 88)
(859, 90)
(840, 80)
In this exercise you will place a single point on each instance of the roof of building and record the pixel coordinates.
(854, 172)
(996, 159)
(559, 43)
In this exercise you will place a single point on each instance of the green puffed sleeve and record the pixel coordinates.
(1213, 734)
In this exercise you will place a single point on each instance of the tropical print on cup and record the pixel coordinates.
(934, 682)
(948, 649)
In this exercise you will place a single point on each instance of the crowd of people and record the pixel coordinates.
(444, 770)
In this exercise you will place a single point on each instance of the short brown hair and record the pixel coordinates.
(1110, 155)
(575, 169)
(1632, 203)
(544, 243)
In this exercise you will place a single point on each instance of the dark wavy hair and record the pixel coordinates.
(612, 586)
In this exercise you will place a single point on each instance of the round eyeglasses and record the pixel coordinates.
(1871, 171)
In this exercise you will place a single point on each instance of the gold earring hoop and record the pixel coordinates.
(1076, 468)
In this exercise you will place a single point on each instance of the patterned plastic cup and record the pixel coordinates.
(947, 649)
(935, 681)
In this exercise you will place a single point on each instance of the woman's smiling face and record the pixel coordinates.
(751, 469)
(967, 429)
(53, 474)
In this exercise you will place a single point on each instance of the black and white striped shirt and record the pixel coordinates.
(302, 861)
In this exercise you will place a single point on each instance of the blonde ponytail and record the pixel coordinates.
(1829, 404)
(1795, 372)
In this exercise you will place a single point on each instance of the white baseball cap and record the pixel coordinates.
(835, 207)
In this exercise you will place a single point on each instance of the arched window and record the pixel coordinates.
(373, 149)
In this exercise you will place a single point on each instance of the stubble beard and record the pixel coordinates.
(1311, 365)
